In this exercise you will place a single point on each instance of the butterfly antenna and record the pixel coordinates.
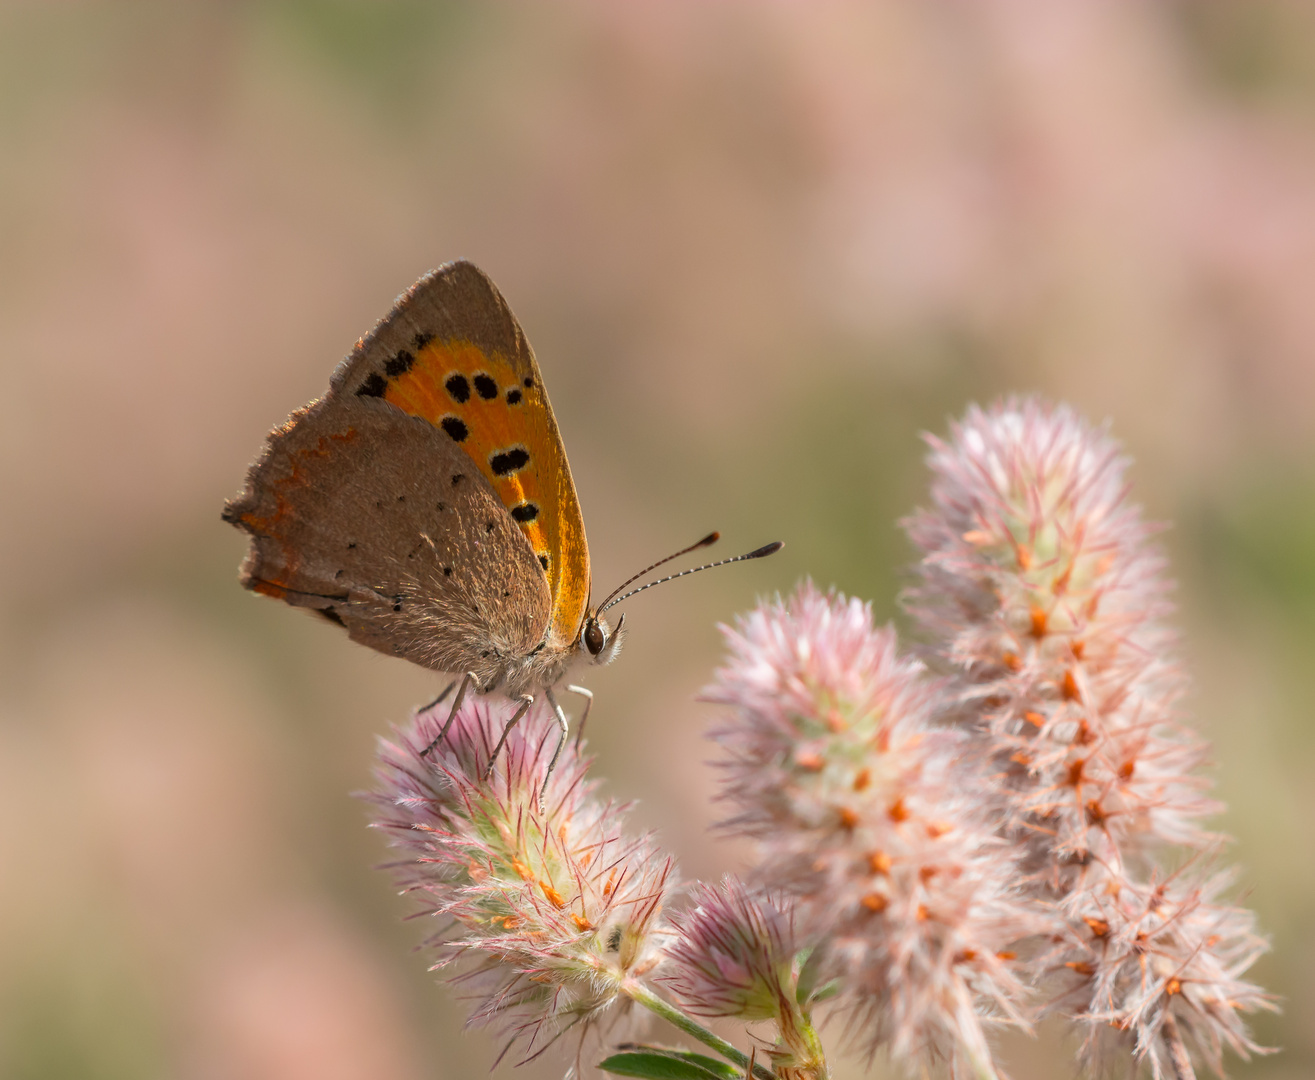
(762, 552)
(711, 538)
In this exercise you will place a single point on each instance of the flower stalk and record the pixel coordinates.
(642, 995)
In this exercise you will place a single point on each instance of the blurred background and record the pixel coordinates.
(758, 247)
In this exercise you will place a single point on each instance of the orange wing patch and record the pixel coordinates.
(502, 419)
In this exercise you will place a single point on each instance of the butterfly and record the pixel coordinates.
(425, 504)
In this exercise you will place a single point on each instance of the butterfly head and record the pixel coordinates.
(601, 641)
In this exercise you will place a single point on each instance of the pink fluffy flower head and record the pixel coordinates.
(1044, 600)
(869, 815)
(1039, 586)
(736, 955)
(549, 912)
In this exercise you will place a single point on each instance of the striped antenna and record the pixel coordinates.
(762, 552)
(711, 538)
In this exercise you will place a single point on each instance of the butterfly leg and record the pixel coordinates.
(439, 700)
(561, 739)
(467, 681)
(588, 696)
(526, 700)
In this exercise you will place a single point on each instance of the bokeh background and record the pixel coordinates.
(759, 247)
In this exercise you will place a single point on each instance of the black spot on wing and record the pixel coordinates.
(529, 383)
(457, 478)
(459, 388)
(505, 462)
(456, 428)
(422, 339)
(543, 561)
(374, 386)
(526, 511)
(513, 396)
(486, 387)
(399, 364)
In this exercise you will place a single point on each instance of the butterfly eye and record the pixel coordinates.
(594, 638)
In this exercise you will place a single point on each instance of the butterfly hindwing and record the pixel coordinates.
(399, 538)
(452, 354)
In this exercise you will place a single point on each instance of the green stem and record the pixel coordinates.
(645, 997)
(802, 1039)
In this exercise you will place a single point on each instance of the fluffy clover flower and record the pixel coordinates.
(548, 913)
(1043, 598)
(871, 818)
(735, 955)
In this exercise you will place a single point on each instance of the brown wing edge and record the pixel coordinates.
(458, 300)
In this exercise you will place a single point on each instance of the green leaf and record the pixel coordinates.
(723, 1070)
(654, 1063)
(822, 993)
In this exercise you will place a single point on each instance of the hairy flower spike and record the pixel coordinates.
(1044, 600)
(734, 954)
(549, 912)
(871, 818)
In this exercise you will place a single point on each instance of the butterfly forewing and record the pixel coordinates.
(451, 353)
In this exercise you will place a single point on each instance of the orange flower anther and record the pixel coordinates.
(810, 760)
(1069, 687)
(1039, 620)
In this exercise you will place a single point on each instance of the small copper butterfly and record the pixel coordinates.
(426, 505)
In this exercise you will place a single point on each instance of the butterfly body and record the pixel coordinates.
(425, 503)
